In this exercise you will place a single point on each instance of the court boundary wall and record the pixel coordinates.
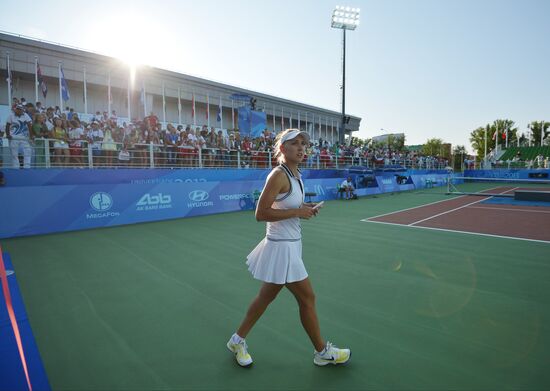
(46, 201)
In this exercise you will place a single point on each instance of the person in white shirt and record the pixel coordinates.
(76, 139)
(277, 259)
(348, 189)
(18, 133)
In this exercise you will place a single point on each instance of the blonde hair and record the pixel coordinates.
(278, 143)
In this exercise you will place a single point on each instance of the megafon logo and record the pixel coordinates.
(199, 198)
(154, 201)
(101, 202)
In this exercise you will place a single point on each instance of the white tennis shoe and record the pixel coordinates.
(331, 355)
(241, 352)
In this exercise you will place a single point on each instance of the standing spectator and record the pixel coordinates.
(247, 151)
(152, 119)
(60, 136)
(39, 133)
(95, 138)
(18, 133)
(223, 146)
(108, 146)
(171, 142)
(212, 144)
(76, 139)
(39, 108)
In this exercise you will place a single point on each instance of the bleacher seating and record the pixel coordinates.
(527, 153)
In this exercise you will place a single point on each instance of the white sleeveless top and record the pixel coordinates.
(289, 229)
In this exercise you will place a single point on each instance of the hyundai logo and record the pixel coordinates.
(198, 195)
(101, 201)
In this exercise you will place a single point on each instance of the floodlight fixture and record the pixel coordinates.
(344, 18)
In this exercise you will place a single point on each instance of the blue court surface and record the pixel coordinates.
(511, 201)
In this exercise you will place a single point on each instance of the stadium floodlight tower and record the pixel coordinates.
(344, 18)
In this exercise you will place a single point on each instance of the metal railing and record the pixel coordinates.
(52, 153)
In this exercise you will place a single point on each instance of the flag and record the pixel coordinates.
(41, 81)
(495, 135)
(64, 87)
(219, 117)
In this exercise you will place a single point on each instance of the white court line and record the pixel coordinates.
(414, 207)
(460, 207)
(420, 206)
(513, 210)
(462, 232)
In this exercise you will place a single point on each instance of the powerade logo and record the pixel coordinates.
(102, 203)
(199, 199)
(239, 196)
(154, 202)
(319, 189)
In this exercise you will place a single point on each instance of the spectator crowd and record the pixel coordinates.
(55, 137)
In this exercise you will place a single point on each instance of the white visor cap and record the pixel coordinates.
(293, 134)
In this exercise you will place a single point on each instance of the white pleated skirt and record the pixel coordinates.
(277, 262)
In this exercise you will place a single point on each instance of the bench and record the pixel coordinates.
(308, 195)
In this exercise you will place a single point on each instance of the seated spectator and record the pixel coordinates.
(348, 188)
(401, 179)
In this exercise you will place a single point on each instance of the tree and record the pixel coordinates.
(397, 143)
(505, 127)
(477, 140)
(359, 142)
(432, 147)
(459, 152)
(536, 128)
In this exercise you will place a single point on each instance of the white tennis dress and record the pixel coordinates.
(278, 257)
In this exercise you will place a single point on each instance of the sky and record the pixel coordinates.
(426, 68)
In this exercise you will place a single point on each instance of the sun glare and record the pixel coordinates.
(132, 43)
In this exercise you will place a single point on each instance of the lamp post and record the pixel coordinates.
(344, 18)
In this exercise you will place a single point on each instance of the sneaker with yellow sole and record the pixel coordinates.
(241, 352)
(331, 355)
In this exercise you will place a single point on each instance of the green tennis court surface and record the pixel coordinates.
(151, 306)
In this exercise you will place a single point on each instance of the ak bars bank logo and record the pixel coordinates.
(154, 202)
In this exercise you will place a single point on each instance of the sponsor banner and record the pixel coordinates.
(38, 177)
(509, 174)
(45, 209)
(39, 209)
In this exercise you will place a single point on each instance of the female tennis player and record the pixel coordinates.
(277, 259)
